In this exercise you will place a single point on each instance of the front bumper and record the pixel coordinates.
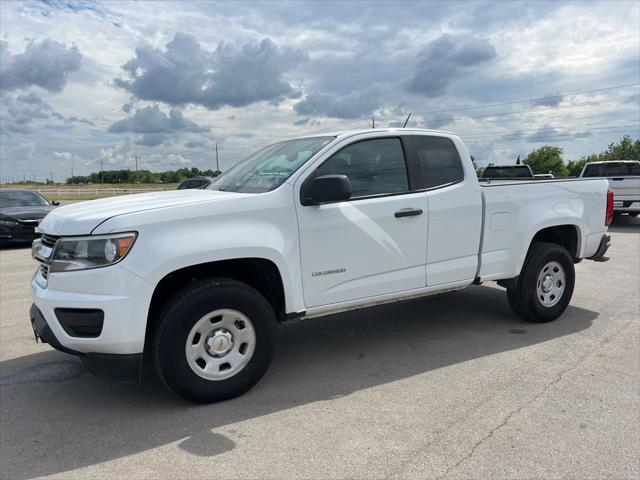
(20, 234)
(111, 349)
(114, 367)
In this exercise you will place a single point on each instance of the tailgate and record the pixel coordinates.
(625, 188)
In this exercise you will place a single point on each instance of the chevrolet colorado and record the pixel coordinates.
(198, 280)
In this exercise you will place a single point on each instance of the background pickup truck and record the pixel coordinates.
(199, 279)
(624, 181)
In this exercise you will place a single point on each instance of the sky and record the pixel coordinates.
(85, 84)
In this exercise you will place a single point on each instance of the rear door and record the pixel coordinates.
(373, 244)
(455, 210)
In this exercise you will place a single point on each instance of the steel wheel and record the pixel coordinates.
(220, 344)
(551, 284)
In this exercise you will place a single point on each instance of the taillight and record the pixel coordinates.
(609, 217)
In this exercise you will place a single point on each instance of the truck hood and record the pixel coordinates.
(83, 217)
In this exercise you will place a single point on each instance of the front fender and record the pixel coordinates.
(257, 226)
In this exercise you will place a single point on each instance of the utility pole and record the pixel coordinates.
(217, 162)
(101, 171)
(52, 175)
(373, 122)
(71, 174)
(137, 174)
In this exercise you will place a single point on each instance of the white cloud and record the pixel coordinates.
(348, 62)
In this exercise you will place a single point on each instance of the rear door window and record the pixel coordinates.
(439, 161)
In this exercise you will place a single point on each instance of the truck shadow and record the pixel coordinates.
(57, 427)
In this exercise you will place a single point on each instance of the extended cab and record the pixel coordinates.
(624, 181)
(200, 279)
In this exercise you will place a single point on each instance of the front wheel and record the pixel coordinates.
(545, 284)
(214, 340)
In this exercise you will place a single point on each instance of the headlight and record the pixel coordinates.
(7, 222)
(80, 253)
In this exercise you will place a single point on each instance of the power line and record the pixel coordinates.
(622, 99)
(543, 138)
(541, 110)
(528, 100)
(549, 125)
(548, 128)
(533, 111)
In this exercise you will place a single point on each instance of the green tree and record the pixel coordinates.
(575, 166)
(547, 159)
(625, 149)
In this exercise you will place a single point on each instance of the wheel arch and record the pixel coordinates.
(260, 273)
(567, 235)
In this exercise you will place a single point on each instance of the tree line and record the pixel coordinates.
(549, 158)
(142, 176)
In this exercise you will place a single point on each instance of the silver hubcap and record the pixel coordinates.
(551, 284)
(220, 344)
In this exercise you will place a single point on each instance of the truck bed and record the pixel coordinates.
(488, 182)
(514, 210)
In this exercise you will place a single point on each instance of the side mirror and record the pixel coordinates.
(328, 188)
(55, 203)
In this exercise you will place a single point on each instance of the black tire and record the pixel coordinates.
(181, 312)
(524, 299)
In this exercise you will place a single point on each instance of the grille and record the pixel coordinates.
(49, 240)
(44, 269)
(31, 223)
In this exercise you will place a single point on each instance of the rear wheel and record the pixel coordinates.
(545, 284)
(214, 340)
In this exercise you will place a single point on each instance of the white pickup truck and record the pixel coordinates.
(199, 279)
(624, 181)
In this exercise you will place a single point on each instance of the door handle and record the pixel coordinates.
(408, 212)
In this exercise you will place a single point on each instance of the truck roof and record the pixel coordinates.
(349, 133)
(614, 161)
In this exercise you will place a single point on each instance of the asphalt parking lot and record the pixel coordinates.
(453, 386)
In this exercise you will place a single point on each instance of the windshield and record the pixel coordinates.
(612, 169)
(270, 167)
(13, 198)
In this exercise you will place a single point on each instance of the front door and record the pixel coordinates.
(372, 244)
